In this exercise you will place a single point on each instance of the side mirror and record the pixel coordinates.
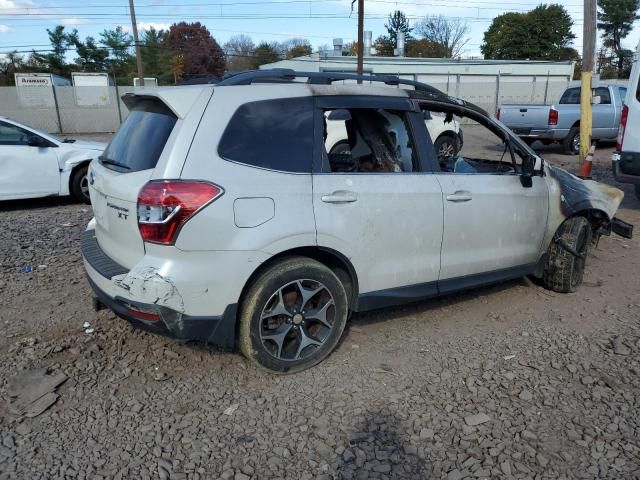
(36, 141)
(597, 100)
(427, 114)
(528, 169)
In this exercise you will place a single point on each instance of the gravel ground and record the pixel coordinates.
(511, 381)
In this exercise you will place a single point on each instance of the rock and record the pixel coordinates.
(454, 475)
(587, 380)
(620, 348)
(506, 468)
(526, 395)
(477, 419)
(426, 434)
(348, 455)
(241, 476)
(542, 460)
(528, 435)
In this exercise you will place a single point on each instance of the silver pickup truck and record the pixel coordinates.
(560, 122)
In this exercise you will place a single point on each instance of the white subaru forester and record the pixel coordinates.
(224, 214)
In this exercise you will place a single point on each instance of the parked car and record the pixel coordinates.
(37, 164)
(445, 133)
(626, 159)
(217, 220)
(561, 122)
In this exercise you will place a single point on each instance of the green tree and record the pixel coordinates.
(201, 55)
(544, 33)
(396, 23)
(54, 61)
(121, 62)
(91, 57)
(615, 19)
(263, 54)
(156, 58)
(10, 64)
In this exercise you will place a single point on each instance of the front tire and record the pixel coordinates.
(80, 185)
(293, 315)
(571, 144)
(564, 269)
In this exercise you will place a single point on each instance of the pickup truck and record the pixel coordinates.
(561, 122)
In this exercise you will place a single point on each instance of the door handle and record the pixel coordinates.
(459, 196)
(340, 197)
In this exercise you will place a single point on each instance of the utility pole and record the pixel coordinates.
(134, 28)
(360, 37)
(588, 55)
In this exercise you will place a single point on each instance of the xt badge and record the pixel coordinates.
(123, 213)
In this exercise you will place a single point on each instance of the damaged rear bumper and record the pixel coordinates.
(218, 330)
(155, 304)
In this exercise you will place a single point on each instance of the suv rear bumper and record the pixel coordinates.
(156, 303)
(626, 167)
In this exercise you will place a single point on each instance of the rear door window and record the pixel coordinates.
(571, 96)
(604, 94)
(272, 134)
(141, 138)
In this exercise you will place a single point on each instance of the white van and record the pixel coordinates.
(626, 159)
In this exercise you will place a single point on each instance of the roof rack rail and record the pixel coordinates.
(277, 75)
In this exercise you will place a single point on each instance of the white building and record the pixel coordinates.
(486, 83)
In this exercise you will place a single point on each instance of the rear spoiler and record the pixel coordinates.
(178, 99)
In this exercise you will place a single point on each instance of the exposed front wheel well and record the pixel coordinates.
(337, 262)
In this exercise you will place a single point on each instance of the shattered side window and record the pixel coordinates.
(368, 140)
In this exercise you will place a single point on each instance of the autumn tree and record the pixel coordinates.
(544, 33)
(383, 46)
(426, 49)
(446, 37)
(200, 53)
(616, 19)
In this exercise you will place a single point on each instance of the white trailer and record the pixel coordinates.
(92, 89)
(36, 89)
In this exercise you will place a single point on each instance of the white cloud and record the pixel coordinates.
(74, 21)
(147, 26)
(5, 28)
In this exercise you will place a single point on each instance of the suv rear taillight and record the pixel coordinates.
(623, 128)
(553, 116)
(164, 206)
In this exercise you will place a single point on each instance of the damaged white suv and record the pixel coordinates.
(223, 215)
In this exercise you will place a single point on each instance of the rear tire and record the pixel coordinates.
(80, 185)
(564, 271)
(446, 147)
(571, 144)
(313, 309)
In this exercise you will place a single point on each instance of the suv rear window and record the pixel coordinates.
(141, 138)
(273, 134)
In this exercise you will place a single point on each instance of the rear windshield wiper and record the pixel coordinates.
(107, 161)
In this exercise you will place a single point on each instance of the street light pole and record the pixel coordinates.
(360, 37)
(588, 54)
(134, 28)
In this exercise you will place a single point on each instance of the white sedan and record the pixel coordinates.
(36, 164)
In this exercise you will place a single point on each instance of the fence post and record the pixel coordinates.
(497, 92)
(55, 102)
(458, 85)
(546, 89)
(533, 89)
(115, 83)
(447, 83)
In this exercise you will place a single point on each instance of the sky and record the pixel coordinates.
(23, 23)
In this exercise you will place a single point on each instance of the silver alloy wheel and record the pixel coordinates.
(84, 186)
(446, 151)
(297, 319)
(575, 143)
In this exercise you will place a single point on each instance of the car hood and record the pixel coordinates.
(578, 195)
(84, 145)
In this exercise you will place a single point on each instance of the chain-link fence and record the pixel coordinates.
(100, 109)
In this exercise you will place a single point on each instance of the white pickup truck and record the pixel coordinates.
(560, 122)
